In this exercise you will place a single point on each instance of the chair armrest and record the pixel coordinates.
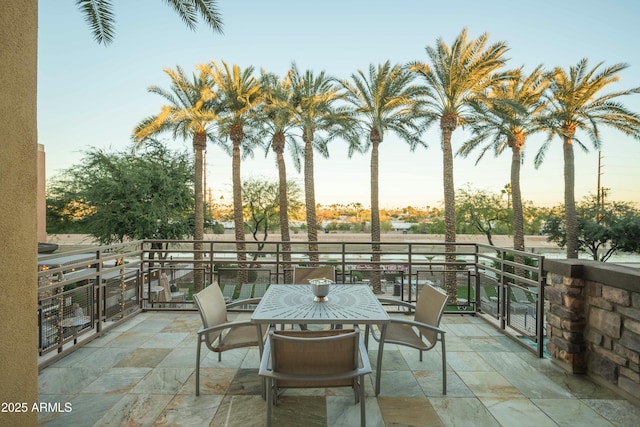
(264, 361)
(224, 326)
(243, 302)
(397, 302)
(418, 325)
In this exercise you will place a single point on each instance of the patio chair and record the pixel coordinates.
(217, 333)
(228, 292)
(314, 359)
(259, 290)
(422, 333)
(302, 275)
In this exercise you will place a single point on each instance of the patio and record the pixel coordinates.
(142, 373)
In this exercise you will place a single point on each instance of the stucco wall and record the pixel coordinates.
(18, 68)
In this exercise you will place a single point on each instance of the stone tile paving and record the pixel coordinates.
(142, 374)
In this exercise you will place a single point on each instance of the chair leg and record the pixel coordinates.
(363, 421)
(198, 368)
(269, 400)
(444, 367)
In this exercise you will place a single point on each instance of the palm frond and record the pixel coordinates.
(99, 15)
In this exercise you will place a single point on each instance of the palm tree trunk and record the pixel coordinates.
(199, 144)
(375, 213)
(310, 196)
(284, 207)
(571, 219)
(516, 200)
(447, 124)
(238, 215)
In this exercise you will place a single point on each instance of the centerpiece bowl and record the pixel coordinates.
(320, 288)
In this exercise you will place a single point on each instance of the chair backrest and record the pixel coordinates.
(429, 308)
(309, 353)
(212, 309)
(302, 275)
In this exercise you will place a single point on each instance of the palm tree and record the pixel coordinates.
(188, 114)
(238, 96)
(278, 117)
(385, 100)
(314, 99)
(577, 104)
(99, 15)
(503, 118)
(456, 75)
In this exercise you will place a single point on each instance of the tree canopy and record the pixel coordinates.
(604, 228)
(116, 196)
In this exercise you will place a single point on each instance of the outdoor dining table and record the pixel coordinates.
(345, 304)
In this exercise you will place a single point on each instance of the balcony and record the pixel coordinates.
(141, 372)
(131, 358)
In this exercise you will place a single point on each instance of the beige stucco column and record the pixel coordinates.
(18, 250)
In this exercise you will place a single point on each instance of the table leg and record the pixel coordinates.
(383, 334)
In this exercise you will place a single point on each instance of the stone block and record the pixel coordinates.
(599, 302)
(635, 300)
(574, 291)
(632, 325)
(632, 356)
(593, 289)
(554, 320)
(616, 295)
(603, 367)
(554, 295)
(565, 313)
(573, 337)
(625, 372)
(574, 304)
(593, 336)
(629, 386)
(554, 279)
(577, 327)
(630, 312)
(610, 355)
(630, 341)
(607, 322)
(567, 346)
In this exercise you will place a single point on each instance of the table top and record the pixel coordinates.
(292, 303)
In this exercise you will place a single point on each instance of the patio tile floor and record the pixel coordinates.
(142, 373)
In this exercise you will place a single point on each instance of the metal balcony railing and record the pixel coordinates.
(83, 293)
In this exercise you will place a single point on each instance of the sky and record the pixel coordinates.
(90, 95)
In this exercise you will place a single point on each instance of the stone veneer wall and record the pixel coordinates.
(593, 321)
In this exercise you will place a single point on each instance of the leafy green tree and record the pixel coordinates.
(238, 99)
(578, 104)
(262, 208)
(100, 17)
(457, 74)
(130, 195)
(315, 100)
(385, 100)
(189, 114)
(504, 117)
(482, 210)
(604, 228)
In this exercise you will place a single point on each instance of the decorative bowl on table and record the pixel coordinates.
(320, 288)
